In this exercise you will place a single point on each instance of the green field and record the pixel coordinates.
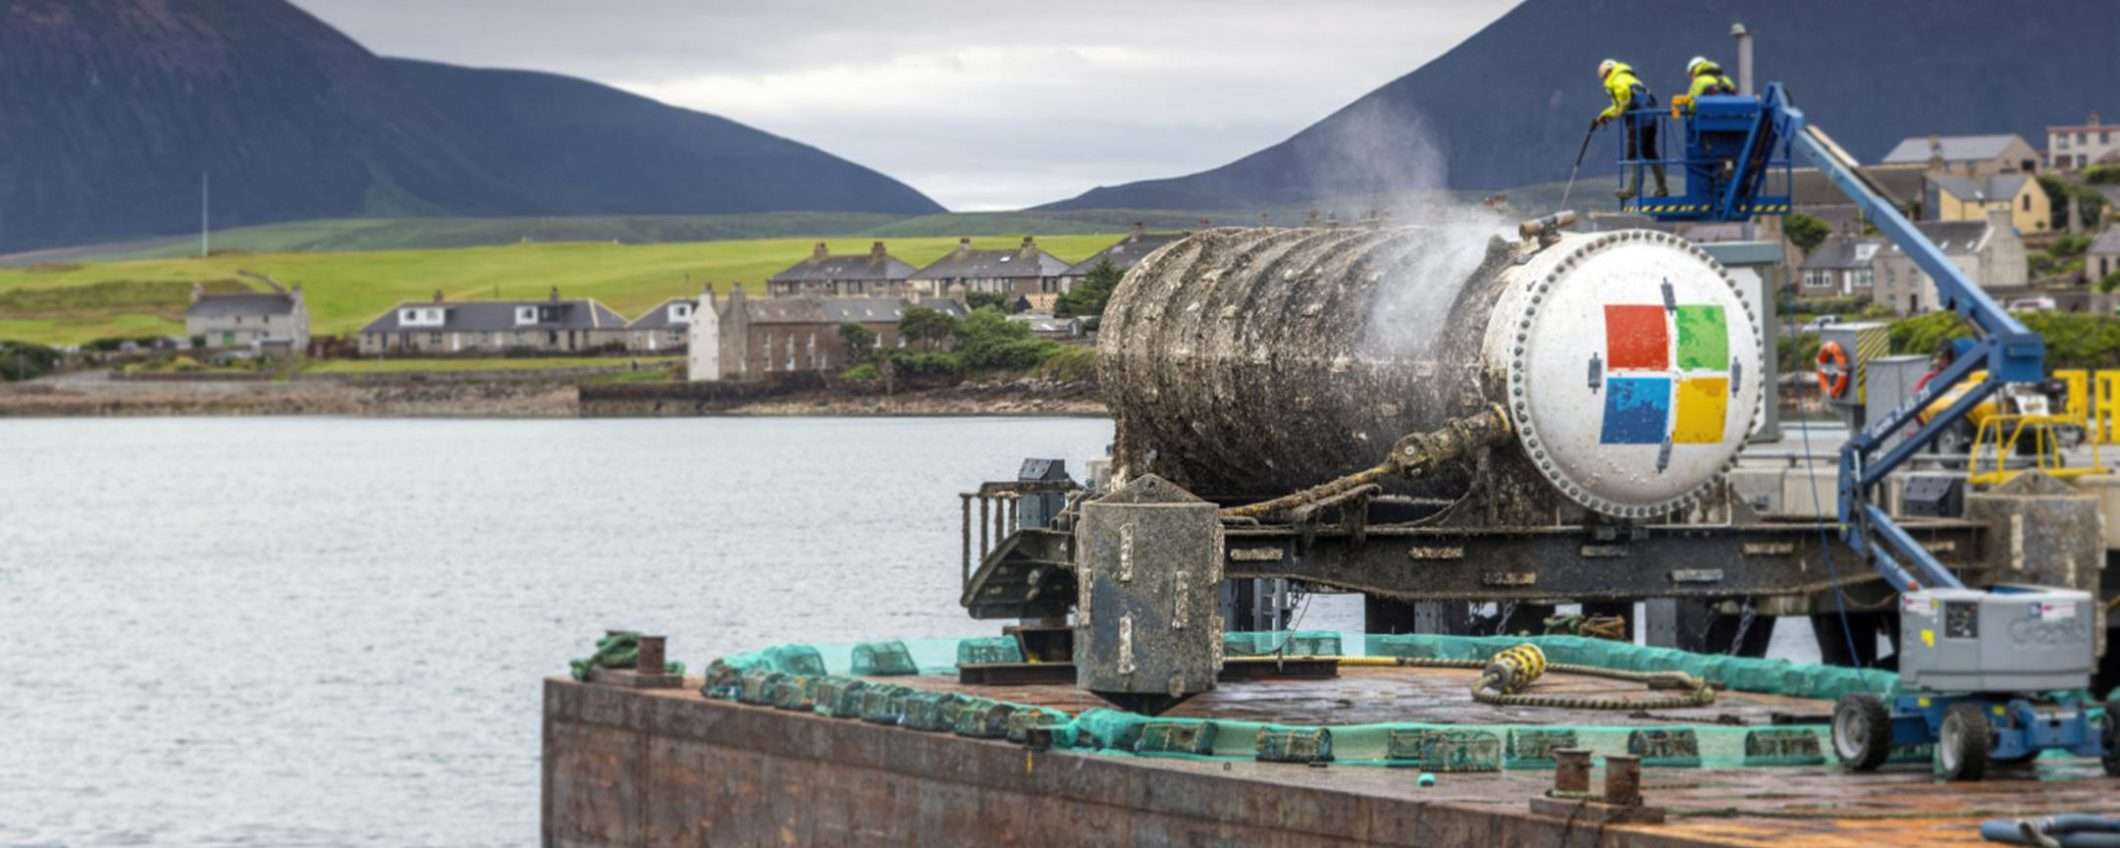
(60, 304)
(342, 234)
(526, 363)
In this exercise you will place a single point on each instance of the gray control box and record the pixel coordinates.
(2012, 639)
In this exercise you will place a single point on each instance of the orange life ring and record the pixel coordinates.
(1832, 370)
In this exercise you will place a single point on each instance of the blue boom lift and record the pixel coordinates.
(1970, 660)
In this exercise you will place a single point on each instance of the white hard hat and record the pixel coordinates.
(1604, 68)
(1693, 66)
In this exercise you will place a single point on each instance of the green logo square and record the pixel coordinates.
(1703, 339)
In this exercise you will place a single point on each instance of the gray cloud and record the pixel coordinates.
(982, 105)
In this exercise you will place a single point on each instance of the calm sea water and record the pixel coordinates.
(325, 631)
(310, 631)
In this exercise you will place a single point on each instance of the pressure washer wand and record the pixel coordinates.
(1578, 164)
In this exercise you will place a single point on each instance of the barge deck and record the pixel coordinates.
(633, 766)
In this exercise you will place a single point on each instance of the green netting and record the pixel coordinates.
(883, 659)
(825, 678)
(989, 650)
(1744, 674)
(618, 649)
(1292, 643)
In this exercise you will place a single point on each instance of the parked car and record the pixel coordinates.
(2030, 304)
(1819, 323)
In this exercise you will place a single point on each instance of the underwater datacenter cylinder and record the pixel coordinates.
(1250, 362)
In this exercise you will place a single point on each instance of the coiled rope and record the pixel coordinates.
(1506, 675)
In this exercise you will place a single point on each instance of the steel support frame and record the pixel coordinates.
(1550, 563)
(1574, 563)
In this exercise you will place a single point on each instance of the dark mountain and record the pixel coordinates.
(111, 109)
(1508, 107)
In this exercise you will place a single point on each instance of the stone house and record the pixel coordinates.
(1840, 266)
(1949, 198)
(1123, 255)
(2103, 258)
(494, 327)
(256, 320)
(665, 328)
(1989, 251)
(824, 274)
(1815, 195)
(754, 338)
(2070, 148)
(1968, 155)
(1025, 270)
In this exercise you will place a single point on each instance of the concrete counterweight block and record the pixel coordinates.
(2044, 532)
(1148, 629)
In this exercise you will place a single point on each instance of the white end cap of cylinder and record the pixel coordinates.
(1634, 369)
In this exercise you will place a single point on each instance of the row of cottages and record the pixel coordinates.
(744, 338)
(1940, 178)
(259, 321)
(1990, 251)
(825, 274)
(1026, 271)
(441, 327)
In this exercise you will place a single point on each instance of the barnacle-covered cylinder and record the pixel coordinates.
(1246, 363)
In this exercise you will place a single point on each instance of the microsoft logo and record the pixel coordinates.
(1667, 374)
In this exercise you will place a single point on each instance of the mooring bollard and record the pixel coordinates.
(1623, 780)
(1571, 770)
(649, 659)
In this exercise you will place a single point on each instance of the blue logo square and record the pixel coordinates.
(1637, 411)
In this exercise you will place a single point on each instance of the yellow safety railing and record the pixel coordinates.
(2105, 408)
(2000, 436)
(2078, 382)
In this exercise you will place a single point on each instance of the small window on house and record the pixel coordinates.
(2027, 203)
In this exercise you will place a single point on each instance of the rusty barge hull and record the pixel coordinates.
(628, 766)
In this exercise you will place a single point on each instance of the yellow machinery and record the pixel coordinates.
(2024, 424)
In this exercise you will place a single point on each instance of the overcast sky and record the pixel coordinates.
(981, 105)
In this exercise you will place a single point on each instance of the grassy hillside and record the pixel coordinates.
(71, 304)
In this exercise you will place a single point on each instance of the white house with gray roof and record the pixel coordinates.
(252, 320)
(1024, 270)
(2082, 145)
(494, 327)
(663, 329)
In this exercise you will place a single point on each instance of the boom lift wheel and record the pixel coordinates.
(1963, 742)
(1862, 731)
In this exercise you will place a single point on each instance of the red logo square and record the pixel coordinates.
(1637, 337)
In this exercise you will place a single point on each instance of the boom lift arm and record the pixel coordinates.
(1732, 144)
(1967, 692)
(2010, 353)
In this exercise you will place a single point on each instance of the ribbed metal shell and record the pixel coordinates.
(1251, 362)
